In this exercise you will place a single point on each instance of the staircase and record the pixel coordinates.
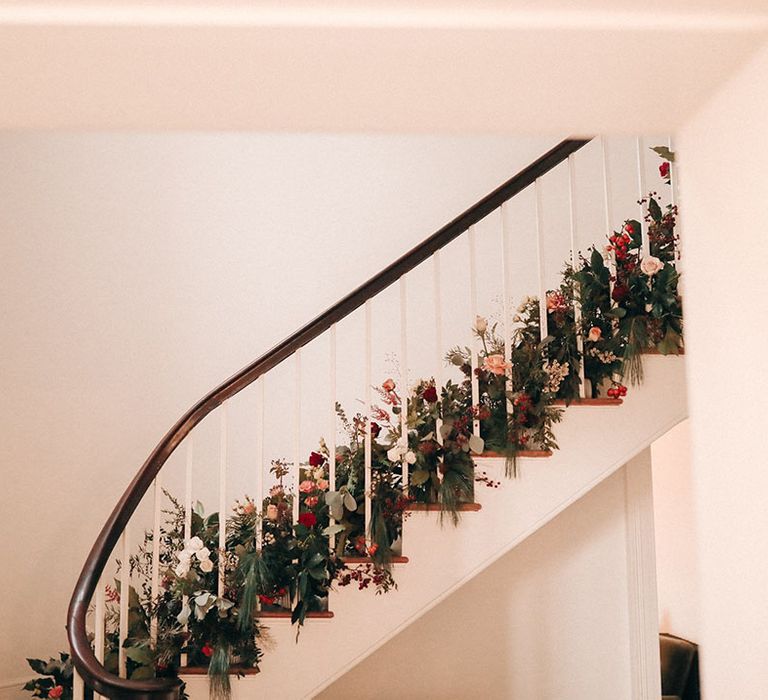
(596, 437)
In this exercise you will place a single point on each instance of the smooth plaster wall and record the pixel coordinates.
(547, 621)
(724, 189)
(676, 533)
(138, 271)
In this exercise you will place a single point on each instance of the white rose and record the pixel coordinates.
(203, 553)
(393, 454)
(651, 265)
(481, 325)
(195, 544)
(206, 566)
(410, 457)
(185, 555)
(318, 473)
(182, 568)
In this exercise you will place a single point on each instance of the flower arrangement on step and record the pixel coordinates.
(55, 679)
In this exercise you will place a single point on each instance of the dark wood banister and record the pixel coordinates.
(84, 658)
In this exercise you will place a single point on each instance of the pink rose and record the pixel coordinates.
(311, 501)
(496, 364)
(271, 512)
(322, 484)
(594, 334)
(388, 385)
(307, 486)
(650, 265)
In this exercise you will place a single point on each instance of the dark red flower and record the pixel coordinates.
(266, 600)
(207, 650)
(307, 519)
(620, 292)
(316, 459)
(375, 430)
(430, 394)
(664, 169)
(427, 447)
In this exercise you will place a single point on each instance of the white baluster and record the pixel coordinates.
(98, 627)
(438, 299)
(78, 687)
(607, 202)
(645, 241)
(260, 396)
(368, 418)
(576, 304)
(474, 382)
(507, 321)
(223, 458)
(673, 180)
(125, 585)
(155, 584)
(543, 321)
(404, 374)
(297, 434)
(332, 424)
(190, 461)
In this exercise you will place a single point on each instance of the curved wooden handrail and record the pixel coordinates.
(83, 656)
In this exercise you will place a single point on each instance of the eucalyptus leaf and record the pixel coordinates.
(419, 477)
(664, 152)
(334, 529)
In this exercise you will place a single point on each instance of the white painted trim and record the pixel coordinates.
(642, 597)
(631, 453)
(194, 15)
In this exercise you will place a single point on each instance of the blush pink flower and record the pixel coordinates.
(311, 501)
(322, 484)
(271, 512)
(650, 265)
(496, 364)
(594, 334)
(307, 486)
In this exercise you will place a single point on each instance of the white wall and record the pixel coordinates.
(724, 160)
(546, 621)
(676, 533)
(140, 271)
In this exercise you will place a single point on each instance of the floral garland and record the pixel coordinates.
(629, 304)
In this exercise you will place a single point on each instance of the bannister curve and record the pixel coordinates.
(92, 671)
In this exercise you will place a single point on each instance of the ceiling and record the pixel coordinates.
(396, 66)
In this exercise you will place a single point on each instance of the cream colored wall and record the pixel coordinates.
(676, 533)
(139, 271)
(724, 187)
(547, 621)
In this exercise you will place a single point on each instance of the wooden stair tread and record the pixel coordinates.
(368, 560)
(523, 453)
(280, 615)
(437, 506)
(606, 401)
(233, 671)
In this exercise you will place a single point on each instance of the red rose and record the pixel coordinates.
(620, 292)
(207, 650)
(307, 519)
(664, 169)
(316, 459)
(430, 394)
(56, 691)
(427, 448)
